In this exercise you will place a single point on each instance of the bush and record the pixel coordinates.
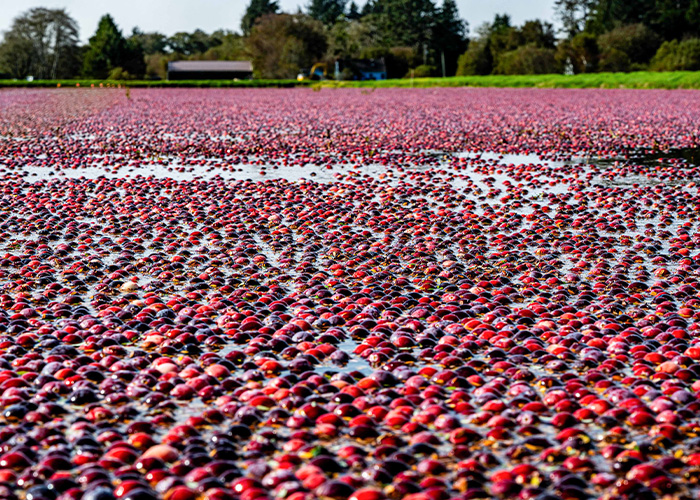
(422, 71)
(477, 60)
(636, 41)
(614, 61)
(678, 56)
(528, 60)
(119, 73)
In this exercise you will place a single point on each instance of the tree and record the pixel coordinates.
(282, 44)
(528, 60)
(107, 49)
(608, 14)
(581, 53)
(151, 43)
(450, 35)
(42, 43)
(678, 56)
(636, 41)
(353, 12)
(574, 15)
(230, 48)
(477, 60)
(327, 11)
(537, 33)
(673, 19)
(188, 44)
(408, 23)
(256, 9)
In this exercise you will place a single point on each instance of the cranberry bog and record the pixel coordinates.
(419, 294)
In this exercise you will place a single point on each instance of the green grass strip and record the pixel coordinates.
(636, 80)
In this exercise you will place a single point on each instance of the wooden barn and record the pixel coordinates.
(210, 70)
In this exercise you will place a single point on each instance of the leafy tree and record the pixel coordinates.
(188, 44)
(151, 43)
(327, 11)
(107, 49)
(282, 44)
(42, 43)
(674, 19)
(678, 56)
(477, 60)
(538, 34)
(581, 53)
(230, 47)
(574, 15)
(528, 60)
(256, 9)
(636, 41)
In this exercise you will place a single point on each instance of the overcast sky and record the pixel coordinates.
(170, 16)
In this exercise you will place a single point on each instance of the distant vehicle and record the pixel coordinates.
(319, 71)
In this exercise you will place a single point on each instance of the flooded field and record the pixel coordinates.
(399, 294)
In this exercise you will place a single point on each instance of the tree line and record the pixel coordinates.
(411, 37)
(595, 35)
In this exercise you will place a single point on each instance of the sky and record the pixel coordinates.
(171, 16)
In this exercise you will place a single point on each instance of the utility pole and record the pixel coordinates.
(442, 57)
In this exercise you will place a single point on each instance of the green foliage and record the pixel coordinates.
(230, 48)
(119, 74)
(528, 60)
(282, 44)
(678, 56)
(641, 80)
(423, 71)
(450, 36)
(614, 60)
(106, 51)
(581, 53)
(353, 13)
(505, 49)
(327, 11)
(406, 22)
(573, 15)
(151, 43)
(42, 43)
(635, 41)
(189, 44)
(255, 10)
(477, 60)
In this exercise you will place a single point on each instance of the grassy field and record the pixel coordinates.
(637, 80)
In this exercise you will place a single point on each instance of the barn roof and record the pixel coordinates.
(210, 66)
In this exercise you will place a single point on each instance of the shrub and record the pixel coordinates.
(528, 60)
(678, 56)
(614, 61)
(580, 53)
(422, 71)
(636, 41)
(477, 60)
(119, 73)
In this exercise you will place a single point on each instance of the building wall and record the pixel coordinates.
(209, 75)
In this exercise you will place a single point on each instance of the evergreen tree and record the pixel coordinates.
(256, 9)
(408, 23)
(450, 35)
(107, 50)
(327, 11)
(574, 15)
(353, 12)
